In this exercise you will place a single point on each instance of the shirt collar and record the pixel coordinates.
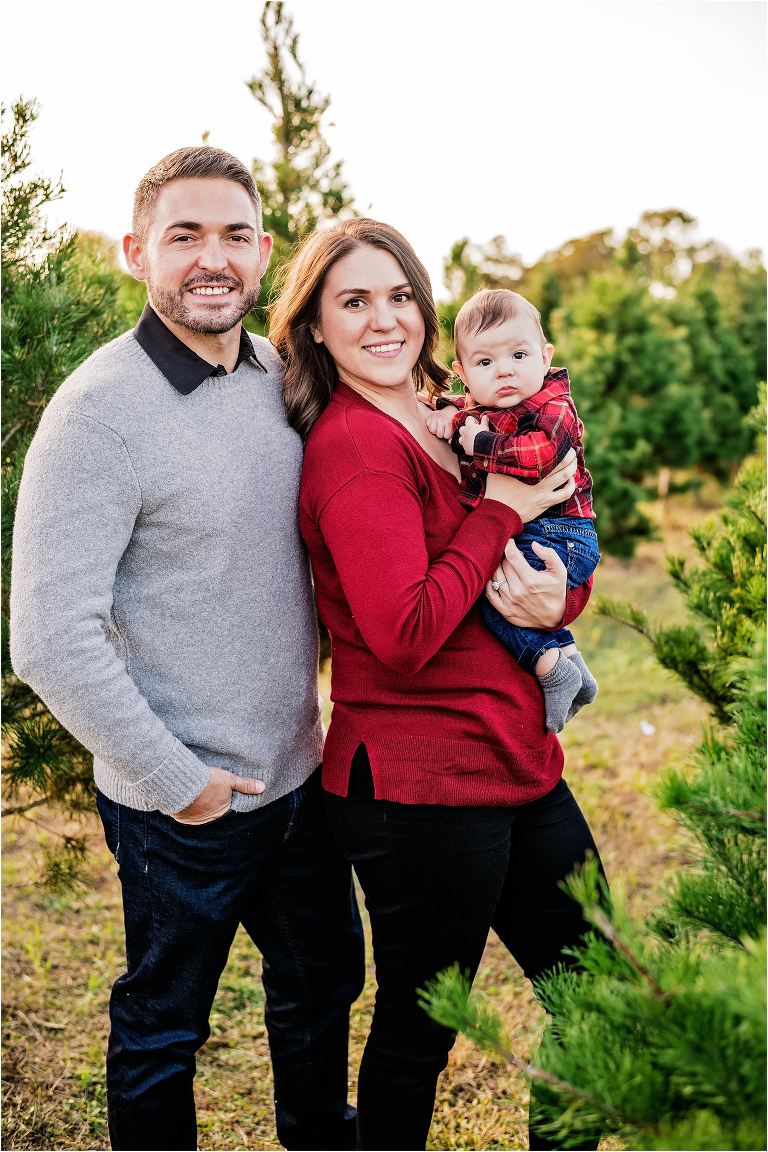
(182, 367)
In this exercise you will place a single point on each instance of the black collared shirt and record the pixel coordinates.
(182, 367)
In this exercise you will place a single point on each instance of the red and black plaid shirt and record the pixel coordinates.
(527, 441)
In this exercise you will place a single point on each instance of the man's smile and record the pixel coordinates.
(212, 290)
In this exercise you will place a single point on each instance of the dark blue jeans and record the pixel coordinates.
(185, 890)
(575, 541)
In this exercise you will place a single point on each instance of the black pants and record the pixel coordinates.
(435, 879)
(185, 890)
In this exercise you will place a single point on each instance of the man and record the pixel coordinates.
(162, 608)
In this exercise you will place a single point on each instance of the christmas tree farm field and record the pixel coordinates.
(62, 955)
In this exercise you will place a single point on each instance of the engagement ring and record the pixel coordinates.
(496, 584)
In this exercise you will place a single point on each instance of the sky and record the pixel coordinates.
(541, 121)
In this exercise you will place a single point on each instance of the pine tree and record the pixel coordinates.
(302, 187)
(59, 303)
(658, 1033)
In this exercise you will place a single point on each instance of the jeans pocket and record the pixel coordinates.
(109, 811)
(582, 562)
(205, 824)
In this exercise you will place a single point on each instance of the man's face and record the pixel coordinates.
(202, 258)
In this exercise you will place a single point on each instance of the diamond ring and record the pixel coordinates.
(496, 584)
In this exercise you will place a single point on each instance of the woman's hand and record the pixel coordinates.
(532, 500)
(526, 597)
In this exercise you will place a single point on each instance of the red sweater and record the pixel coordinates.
(445, 711)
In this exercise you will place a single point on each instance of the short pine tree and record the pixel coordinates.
(658, 1034)
(59, 303)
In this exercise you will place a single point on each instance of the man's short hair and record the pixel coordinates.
(194, 163)
(490, 307)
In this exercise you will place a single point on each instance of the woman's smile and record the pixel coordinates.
(385, 351)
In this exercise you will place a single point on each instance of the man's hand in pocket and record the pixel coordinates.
(216, 798)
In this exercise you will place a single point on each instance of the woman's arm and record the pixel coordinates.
(405, 607)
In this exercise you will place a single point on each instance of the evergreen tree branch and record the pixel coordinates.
(20, 809)
(541, 1074)
(756, 817)
(626, 614)
(597, 917)
(447, 1000)
(12, 432)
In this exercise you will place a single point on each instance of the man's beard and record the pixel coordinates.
(172, 305)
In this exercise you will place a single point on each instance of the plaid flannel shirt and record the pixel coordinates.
(527, 441)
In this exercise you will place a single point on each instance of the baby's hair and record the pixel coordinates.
(489, 308)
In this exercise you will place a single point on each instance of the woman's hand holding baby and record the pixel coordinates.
(532, 500)
(469, 431)
(527, 597)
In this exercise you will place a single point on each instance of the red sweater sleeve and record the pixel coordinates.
(576, 600)
(405, 606)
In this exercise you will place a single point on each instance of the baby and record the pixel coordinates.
(519, 419)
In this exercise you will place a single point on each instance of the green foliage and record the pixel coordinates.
(678, 1053)
(665, 343)
(23, 232)
(449, 1000)
(60, 301)
(726, 593)
(723, 804)
(302, 186)
(64, 867)
(658, 1044)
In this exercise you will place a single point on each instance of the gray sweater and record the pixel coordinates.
(161, 603)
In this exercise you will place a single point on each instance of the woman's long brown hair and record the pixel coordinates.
(310, 373)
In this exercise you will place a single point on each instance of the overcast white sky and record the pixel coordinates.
(542, 120)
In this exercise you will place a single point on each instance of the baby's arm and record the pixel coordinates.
(529, 455)
(440, 423)
(469, 431)
(439, 420)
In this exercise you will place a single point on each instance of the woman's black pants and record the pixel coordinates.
(435, 879)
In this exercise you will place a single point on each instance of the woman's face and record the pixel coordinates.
(369, 320)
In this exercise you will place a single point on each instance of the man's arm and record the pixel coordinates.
(78, 501)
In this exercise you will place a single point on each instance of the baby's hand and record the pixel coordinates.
(440, 423)
(469, 431)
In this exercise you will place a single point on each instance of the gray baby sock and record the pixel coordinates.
(588, 690)
(560, 686)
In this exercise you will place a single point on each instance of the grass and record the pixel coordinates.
(62, 955)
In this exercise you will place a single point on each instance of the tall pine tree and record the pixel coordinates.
(302, 187)
(59, 303)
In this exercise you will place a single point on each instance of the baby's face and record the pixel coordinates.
(505, 364)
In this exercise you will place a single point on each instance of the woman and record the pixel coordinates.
(443, 787)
